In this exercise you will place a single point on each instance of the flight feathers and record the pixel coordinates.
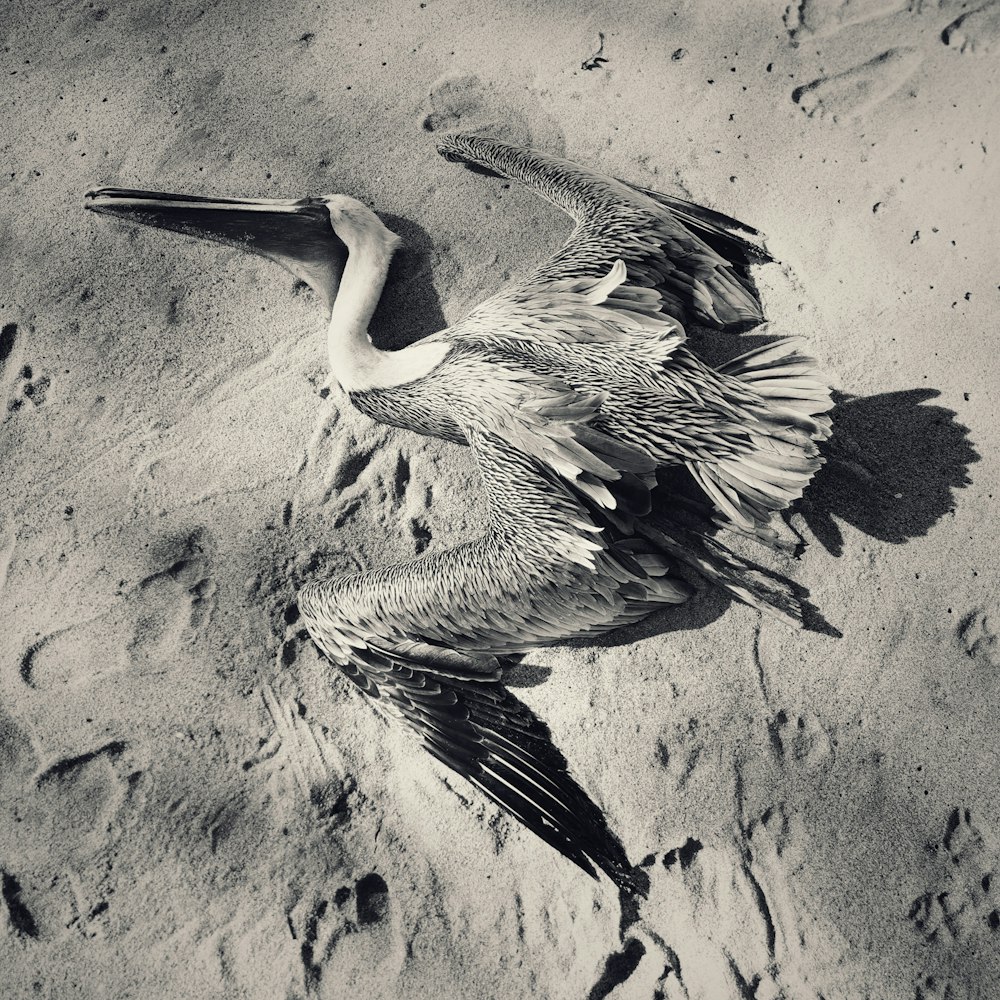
(467, 719)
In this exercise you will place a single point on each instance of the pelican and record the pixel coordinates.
(573, 387)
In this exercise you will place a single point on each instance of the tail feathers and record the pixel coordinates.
(733, 299)
(713, 293)
(790, 382)
(648, 579)
(719, 565)
(747, 493)
(785, 424)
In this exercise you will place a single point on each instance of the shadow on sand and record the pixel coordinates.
(409, 308)
(892, 468)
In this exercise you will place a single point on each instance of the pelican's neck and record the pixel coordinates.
(354, 359)
(355, 362)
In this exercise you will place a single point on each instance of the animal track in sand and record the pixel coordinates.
(402, 477)
(678, 749)
(350, 470)
(11, 369)
(8, 341)
(347, 460)
(34, 387)
(619, 967)
(975, 31)
(308, 926)
(978, 634)
(860, 88)
(422, 534)
(372, 895)
(933, 987)
(720, 921)
(368, 476)
(964, 904)
(800, 738)
(29, 386)
(19, 917)
(319, 925)
(305, 749)
(143, 631)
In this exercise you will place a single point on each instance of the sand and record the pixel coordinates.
(194, 806)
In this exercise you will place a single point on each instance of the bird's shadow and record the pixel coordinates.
(893, 466)
(410, 307)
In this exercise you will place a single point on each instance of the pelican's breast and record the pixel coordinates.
(423, 402)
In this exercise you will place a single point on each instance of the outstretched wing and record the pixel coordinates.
(692, 256)
(467, 719)
(422, 637)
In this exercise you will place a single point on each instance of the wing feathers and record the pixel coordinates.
(474, 725)
(685, 251)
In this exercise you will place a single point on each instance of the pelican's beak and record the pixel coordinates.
(295, 233)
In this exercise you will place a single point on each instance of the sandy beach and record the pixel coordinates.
(193, 804)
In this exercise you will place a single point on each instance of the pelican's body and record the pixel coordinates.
(573, 388)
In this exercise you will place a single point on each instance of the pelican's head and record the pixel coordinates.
(355, 223)
(297, 233)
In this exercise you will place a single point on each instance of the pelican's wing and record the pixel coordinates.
(466, 718)
(421, 637)
(692, 256)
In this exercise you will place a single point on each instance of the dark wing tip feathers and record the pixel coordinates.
(471, 722)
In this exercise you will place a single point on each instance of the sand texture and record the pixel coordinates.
(193, 805)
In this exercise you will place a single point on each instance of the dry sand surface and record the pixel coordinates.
(193, 805)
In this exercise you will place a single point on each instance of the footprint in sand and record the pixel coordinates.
(822, 18)
(800, 738)
(161, 613)
(679, 749)
(463, 102)
(17, 757)
(975, 31)
(320, 924)
(86, 791)
(10, 361)
(859, 89)
(60, 819)
(458, 101)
